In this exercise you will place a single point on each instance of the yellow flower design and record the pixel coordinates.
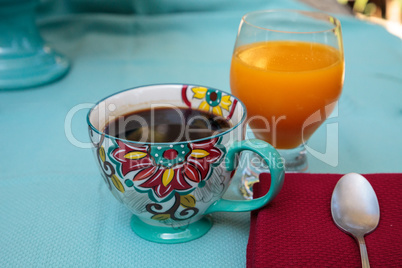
(212, 99)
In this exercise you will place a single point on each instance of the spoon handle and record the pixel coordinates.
(363, 252)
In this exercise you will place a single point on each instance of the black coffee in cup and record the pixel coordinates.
(167, 124)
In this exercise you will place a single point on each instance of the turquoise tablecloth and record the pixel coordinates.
(54, 208)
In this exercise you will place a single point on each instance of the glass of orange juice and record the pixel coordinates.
(288, 69)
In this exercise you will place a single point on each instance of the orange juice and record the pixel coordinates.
(288, 87)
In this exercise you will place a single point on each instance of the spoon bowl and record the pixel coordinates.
(355, 209)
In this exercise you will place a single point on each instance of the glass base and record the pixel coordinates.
(248, 179)
(250, 174)
(170, 235)
(295, 161)
(25, 59)
(42, 67)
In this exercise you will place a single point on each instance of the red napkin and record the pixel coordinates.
(296, 228)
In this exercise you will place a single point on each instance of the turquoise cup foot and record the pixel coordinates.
(169, 235)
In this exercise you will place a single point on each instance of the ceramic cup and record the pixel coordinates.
(172, 187)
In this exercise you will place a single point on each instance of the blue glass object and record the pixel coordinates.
(25, 59)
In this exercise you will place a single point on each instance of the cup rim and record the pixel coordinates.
(334, 21)
(243, 118)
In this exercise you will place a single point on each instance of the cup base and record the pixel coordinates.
(169, 235)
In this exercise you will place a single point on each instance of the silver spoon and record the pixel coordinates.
(355, 209)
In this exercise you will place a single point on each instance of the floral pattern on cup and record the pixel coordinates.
(163, 170)
(213, 100)
(209, 100)
(107, 169)
(170, 187)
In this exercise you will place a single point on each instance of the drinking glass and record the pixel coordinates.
(288, 69)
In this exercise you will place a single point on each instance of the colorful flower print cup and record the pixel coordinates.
(171, 188)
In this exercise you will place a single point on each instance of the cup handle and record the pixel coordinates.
(276, 167)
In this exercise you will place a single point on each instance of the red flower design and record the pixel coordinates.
(177, 172)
